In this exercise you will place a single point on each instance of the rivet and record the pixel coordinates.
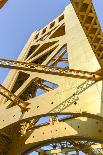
(75, 103)
(99, 130)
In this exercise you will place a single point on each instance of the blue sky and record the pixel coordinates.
(19, 18)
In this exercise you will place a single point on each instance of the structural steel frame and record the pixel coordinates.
(73, 88)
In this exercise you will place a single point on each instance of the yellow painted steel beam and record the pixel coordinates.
(49, 70)
(2, 3)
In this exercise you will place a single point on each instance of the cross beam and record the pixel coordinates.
(12, 97)
(66, 72)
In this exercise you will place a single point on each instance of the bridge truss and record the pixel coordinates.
(57, 77)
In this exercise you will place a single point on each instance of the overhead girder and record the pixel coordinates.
(86, 149)
(80, 128)
(13, 98)
(49, 70)
(72, 99)
(68, 146)
(55, 151)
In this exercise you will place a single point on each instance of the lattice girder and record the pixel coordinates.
(80, 98)
(90, 23)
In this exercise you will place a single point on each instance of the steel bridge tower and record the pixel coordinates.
(59, 72)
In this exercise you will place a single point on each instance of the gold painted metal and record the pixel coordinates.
(64, 62)
(96, 76)
(2, 3)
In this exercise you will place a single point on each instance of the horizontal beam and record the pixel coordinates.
(66, 72)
